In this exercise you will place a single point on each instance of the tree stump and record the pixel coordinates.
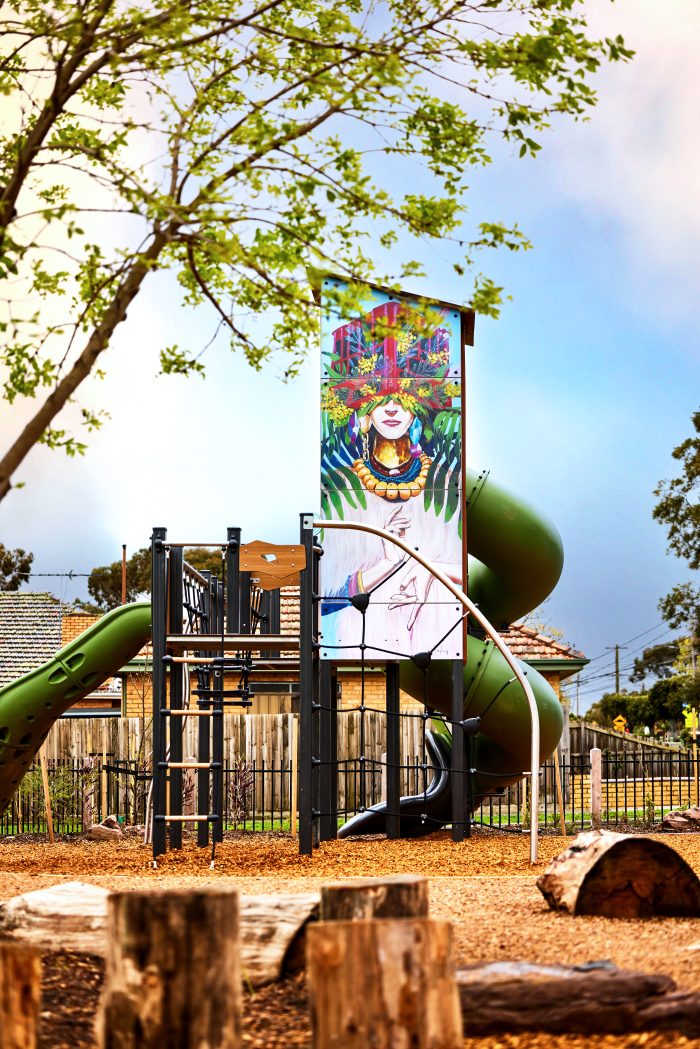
(621, 876)
(20, 995)
(398, 896)
(383, 983)
(173, 971)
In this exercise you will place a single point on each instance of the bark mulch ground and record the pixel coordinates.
(265, 855)
(484, 886)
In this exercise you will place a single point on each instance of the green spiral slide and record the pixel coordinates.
(515, 561)
(30, 705)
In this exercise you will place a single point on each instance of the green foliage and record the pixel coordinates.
(105, 582)
(237, 144)
(678, 510)
(15, 568)
(657, 661)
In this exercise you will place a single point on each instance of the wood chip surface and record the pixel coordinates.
(485, 886)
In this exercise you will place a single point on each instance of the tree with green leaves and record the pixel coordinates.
(656, 661)
(105, 582)
(678, 510)
(244, 146)
(15, 568)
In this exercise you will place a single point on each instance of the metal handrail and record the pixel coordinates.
(500, 645)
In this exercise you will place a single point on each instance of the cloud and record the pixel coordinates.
(638, 159)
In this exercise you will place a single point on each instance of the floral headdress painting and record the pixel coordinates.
(391, 411)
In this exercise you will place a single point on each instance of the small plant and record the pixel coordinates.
(240, 787)
(649, 811)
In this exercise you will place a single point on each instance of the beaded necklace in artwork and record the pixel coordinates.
(392, 489)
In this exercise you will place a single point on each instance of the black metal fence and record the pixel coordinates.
(635, 790)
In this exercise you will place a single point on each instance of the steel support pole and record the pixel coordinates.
(175, 588)
(393, 751)
(159, 616)
(217, 731)
(245, 598)
(203, 743)
(317, 553)
(325, 770)
(459, 779)
(334, 754)
(233, 554)
(306, 688)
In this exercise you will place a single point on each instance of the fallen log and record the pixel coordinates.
(173, 971)
(20, 995)
(359, 899)
(621, 876)
(383, 983)
(73, 917)
(587, 999)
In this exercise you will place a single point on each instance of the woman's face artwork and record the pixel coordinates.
(391, 420)
(390, 460)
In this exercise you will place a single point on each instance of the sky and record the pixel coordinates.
(576, 396)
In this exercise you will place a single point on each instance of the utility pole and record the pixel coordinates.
(616, 649)
(578, 686)
(123, 573)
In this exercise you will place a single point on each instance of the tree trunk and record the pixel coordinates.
(20, 996)
(173, 971)
(621, 876)
(383, 984)
(398, 896)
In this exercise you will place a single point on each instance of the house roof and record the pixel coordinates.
(30, 631)
(531, 646)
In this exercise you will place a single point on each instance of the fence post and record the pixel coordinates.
(173, 970)
(20, 996)
(596, 789)
(47, 796)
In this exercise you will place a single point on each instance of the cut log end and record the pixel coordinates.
(621, 876)
(360, 899)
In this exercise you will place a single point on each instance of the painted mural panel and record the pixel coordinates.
(391, 457)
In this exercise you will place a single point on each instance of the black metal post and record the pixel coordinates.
(393, 751)
(217, 731)
(233, 553)
(317, 552)
(325, 778)
(306, 688)
(159, 614)
(459, 765)
(333, 717)
(275, 617)
(203, 744)
(245, 598)
(176, 693)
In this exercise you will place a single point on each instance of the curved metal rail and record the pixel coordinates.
(500, 645)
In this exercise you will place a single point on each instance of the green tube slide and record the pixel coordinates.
(516, 558)
(515, 562)
(30, 705)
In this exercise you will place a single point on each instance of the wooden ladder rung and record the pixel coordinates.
(183, 819)
(212, 766)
